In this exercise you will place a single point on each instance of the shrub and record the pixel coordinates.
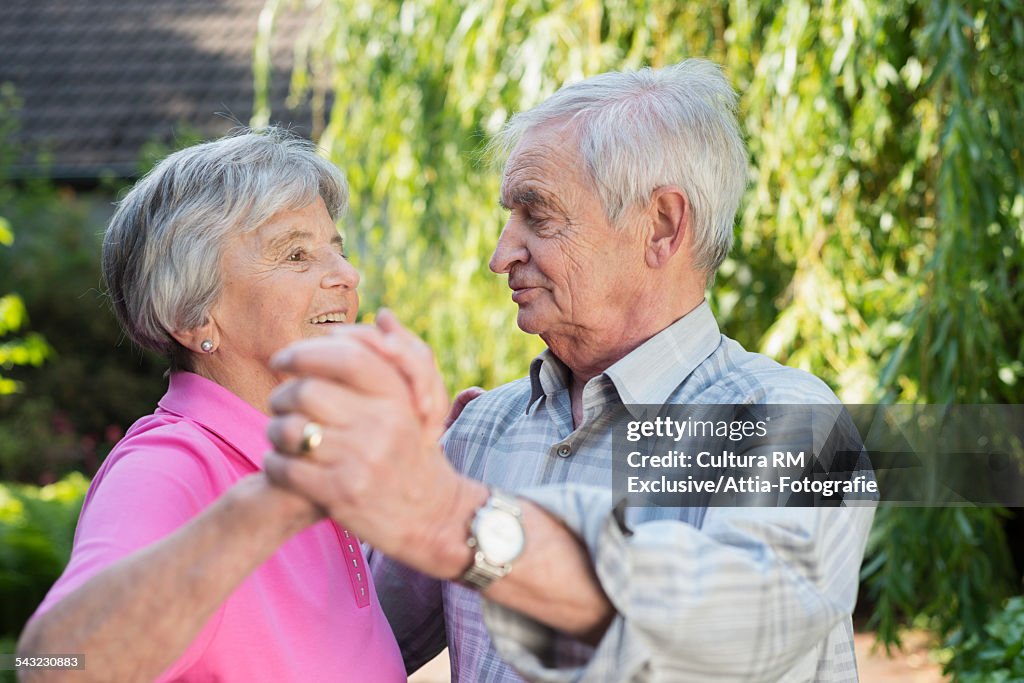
(36, 531)
(94, 383)
(997, 654)
(7, 647)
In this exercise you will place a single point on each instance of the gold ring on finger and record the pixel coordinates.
(312, 436)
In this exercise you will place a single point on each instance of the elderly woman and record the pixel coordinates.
(187, 563)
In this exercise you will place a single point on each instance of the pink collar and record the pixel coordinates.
(213, 407)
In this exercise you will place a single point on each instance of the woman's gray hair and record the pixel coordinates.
(162, 250)
(640, 130)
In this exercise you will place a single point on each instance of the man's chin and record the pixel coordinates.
(528, 321)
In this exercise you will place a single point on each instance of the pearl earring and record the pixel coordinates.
(207, 346)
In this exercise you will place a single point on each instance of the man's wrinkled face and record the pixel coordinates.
(570, 271)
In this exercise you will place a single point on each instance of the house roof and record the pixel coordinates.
(98, 79)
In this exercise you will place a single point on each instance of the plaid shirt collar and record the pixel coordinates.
(648, 374)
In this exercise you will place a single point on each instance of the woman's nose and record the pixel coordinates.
(341, 273)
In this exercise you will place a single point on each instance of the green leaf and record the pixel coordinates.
(6, 234)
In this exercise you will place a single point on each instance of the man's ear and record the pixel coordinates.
(670, 218)
(203, 339)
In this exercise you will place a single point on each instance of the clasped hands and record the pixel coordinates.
(378, 469)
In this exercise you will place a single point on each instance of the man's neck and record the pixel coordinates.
(585, 362)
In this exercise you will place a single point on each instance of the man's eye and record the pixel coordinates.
(297, 255)
(536, 222)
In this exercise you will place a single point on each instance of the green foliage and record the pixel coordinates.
(7, 646)
(997, 654)
(94, 384)
(886, 202)
(36, 530)
(879, 244)
(30, 349)
(962, 559)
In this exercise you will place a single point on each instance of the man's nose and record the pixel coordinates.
(511, 249)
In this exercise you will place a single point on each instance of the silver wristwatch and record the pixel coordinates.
(496, 538)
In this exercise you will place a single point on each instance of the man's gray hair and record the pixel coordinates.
(162, 250)
(640, 130)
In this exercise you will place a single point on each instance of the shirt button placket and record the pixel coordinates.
(564, 450)
(356, 572)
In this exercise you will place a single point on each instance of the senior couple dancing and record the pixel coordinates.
(220, 540)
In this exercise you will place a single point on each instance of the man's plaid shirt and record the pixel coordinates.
(702, 594)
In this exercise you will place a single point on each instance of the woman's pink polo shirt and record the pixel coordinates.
(309, 613)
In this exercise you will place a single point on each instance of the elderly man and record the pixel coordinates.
(622, 191)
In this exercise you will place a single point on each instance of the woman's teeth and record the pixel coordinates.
(329, 318)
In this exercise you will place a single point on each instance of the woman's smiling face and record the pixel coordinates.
(287, 280)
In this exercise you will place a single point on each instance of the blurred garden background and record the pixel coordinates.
(880, 244)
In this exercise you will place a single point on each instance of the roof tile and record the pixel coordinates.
(98, 79)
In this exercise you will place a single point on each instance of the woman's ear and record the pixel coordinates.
(203, 339)
(671, 225)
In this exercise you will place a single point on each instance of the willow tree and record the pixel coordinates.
(879, 245)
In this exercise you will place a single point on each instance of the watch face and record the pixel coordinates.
(499, 535)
